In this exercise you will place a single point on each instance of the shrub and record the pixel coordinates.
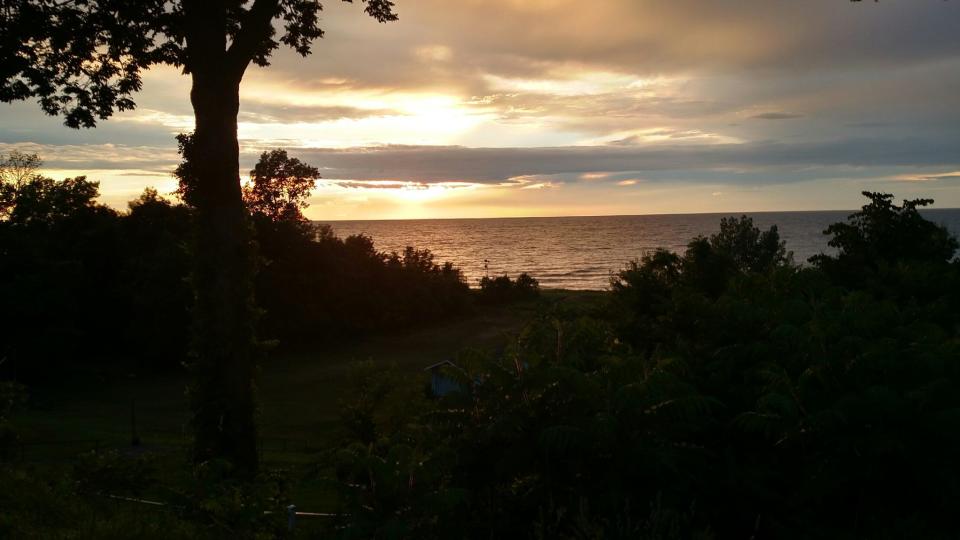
(114, 473)
(70, 267)
(502, 289)
(873, 243)
(726, 393)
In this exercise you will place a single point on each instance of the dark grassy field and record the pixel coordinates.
(300, 395)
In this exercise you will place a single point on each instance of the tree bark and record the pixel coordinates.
(224, 368)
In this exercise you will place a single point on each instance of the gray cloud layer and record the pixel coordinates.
(494, 165)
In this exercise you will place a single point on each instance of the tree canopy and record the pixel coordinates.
(83, 59)
(279, 186)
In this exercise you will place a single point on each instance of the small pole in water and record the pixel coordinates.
(486, 268)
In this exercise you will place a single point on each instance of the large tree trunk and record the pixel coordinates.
(223, 392)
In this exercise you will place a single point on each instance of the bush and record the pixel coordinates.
(70, 267)
(213, 504)
(503, 290)
(882, 237)
(115, 473)
(315, 286)
(726, 392)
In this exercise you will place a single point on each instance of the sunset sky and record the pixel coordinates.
(486, 108)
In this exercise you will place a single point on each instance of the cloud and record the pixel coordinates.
(767, 161)
(434, 53)
(523, 39)
(541, 185)
(934, 177)
(353, 184)
(567, 65)
(272, 113)
(776, 116)
(388, 184)
(112, 157)
(406, 165)
(868, 124)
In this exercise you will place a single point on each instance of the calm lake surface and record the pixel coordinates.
(583, 252)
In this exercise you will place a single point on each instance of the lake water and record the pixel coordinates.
(583, 252)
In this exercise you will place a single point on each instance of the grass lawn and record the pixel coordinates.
(300, 392)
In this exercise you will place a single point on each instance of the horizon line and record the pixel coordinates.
(734, 213)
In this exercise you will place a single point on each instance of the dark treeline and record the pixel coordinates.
(84, 285)
(724, 392)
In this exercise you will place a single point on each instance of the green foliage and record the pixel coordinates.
(56, 246)
(115, 474)
(885, 231)
(502, 289)
(279, 186)
(71, 267)
(724, 392)
(379, 403)
(186, 172)
(44, 201)
(883, 234)
(661, 524)
(100, 499)
(316, 286)
(220, 506)
(153, 277)
(749, 249)
(662, 281)
(559, 423)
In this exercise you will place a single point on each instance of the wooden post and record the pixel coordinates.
(291, 517)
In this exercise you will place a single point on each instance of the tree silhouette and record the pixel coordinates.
(83, 60)
(884, 232)
(279, 186)
(16, 169)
